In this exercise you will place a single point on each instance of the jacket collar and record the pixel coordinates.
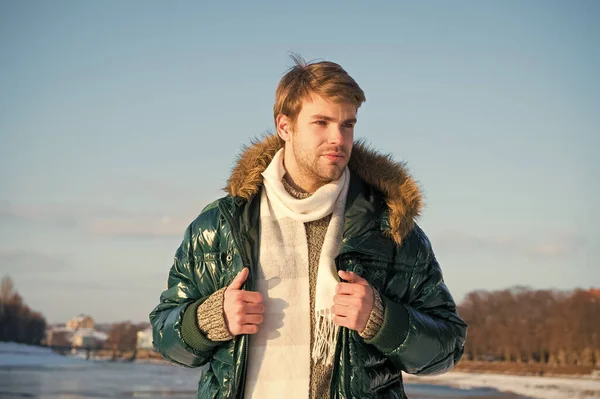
(400, 192)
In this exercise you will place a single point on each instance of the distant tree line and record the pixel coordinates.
(18, 323)
(537, 326)
(123, 336)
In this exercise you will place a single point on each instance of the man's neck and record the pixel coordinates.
(299, 184)
(295, 186)
(294, 192)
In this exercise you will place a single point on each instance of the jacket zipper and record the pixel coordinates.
(246, 347)
(338, 350)
(347, 354)
(237, 242)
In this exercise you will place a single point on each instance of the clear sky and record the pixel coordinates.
(120, 121)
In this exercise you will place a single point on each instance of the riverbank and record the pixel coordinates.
(531, 386)
(140, 356)
(587, 387)
(529, 369)
(15, 355)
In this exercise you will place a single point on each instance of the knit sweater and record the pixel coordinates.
(211, 320)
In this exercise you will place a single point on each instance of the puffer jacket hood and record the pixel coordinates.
(401, 192)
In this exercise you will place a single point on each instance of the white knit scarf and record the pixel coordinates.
(328, 199)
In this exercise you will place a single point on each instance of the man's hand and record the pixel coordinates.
(353, 302)
(243, 309)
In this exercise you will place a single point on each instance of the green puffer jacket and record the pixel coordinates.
(421, 333)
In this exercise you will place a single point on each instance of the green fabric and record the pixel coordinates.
(394, 328)
(191, 332)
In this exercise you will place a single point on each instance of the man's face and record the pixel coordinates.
(321, 140)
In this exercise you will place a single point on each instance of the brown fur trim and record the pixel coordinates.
(401, 192)
(246, 179)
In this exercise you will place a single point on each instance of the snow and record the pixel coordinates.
(18, 355)
(534, 387)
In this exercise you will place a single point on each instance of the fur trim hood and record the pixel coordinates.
(391, 178)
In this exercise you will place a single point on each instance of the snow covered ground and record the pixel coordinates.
(534, 387)
(17, 355)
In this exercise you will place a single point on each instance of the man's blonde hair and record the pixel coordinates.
(325, 78)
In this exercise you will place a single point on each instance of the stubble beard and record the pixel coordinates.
(309, 167)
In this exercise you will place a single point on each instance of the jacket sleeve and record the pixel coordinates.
(423, 335)
(175, 330)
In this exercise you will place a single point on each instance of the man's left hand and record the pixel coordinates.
(353, 302)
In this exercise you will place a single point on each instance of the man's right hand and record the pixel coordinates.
(243, 309)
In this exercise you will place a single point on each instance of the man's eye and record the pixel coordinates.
(349, 125)
(322, 123)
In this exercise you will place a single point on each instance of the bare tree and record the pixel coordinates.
(123, 336)
(520, 324)
(6, 289)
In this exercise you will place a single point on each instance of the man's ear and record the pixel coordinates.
(284, 127)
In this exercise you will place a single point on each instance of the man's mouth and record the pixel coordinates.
(334, 156)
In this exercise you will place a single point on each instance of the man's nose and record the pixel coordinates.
(335, 135)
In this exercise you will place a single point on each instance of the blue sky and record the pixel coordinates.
(119, 121)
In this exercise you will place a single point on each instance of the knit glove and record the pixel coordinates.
(211, 318)
(375, 318)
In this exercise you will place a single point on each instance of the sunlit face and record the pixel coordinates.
(319, 144)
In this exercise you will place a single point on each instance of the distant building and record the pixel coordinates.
(81, 321)
(144, 339)
(59, 336)
(77, 338)
(84, 341)
(88, 338)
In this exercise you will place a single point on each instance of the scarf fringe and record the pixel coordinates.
(325, 338)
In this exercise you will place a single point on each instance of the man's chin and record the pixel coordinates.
(330, 173)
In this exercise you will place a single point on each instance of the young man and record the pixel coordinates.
(310, 279)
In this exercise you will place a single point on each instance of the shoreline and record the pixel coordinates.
(545, 386)
(536, 387)
(528, 369)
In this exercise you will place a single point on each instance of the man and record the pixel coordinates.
(310, 279)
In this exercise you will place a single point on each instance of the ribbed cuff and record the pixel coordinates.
(394, 330)
(375, 318)
(191, 332)
(211, 319)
